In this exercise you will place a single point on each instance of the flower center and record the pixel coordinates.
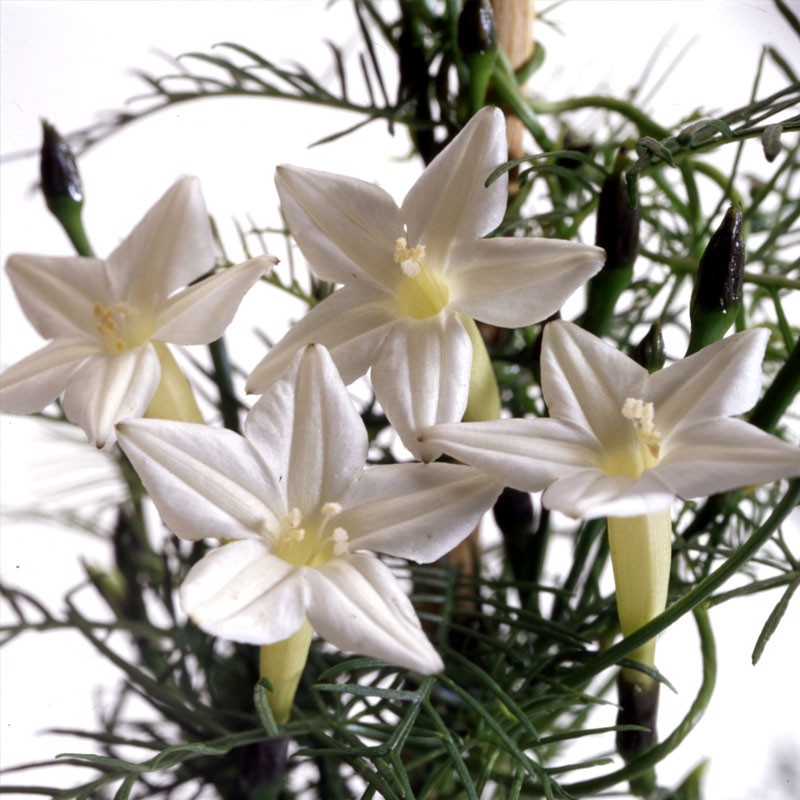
(306, 541)
(633, 461)
(420, 293)
(121, 326)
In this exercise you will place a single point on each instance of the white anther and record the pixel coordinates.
(297, 535)
(292, 519)
(642, 415)
(340, 540)
(408, 258)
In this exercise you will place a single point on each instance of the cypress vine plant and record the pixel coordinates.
(439, 669)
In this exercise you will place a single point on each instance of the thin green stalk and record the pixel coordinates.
(782, 391)
(686, 265)
(228, 403)
(646, 126)
(651, 757)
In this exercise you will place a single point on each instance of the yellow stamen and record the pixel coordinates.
(420, 291)
(121, 326)
(409, 258)
(642, 415)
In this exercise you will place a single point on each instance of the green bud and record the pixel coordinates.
(717, 295)
(62, 186)
(416, 87)
(771, 141)
(61, 181)
(691, 788)
(513, 513)
(478, 45)
(111, 587)
(476, 33)
(617, 233)
(650, 351)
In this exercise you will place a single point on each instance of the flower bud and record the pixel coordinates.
(513, 513)
(717, 295)
(476, 34)
(771, 141)
(62, 186)
(415, 82)
(618, 234)
(650, 351)
(478, 45)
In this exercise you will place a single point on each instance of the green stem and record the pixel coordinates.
(505, 83)
(646, 126)
(228, 404)
(653, 756)
(77, 235)
(687, 265)
(782, 391)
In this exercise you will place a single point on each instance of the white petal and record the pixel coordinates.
(591, 493)
(108, 389)
(308, 432)
(351, 323)
(33, 383)
(724, 454)
(58, 294)
(200, 313)
(513, 282)
(240, 591)
(421, 377)
(168, 249)
(416, 511)
(357, 604)
(586, 382)
(345, 227)
(525, 454)
(720, 380)
(450, 201)
(206, 482)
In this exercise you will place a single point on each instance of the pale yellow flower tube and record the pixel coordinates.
(484, 395)
(641, 553)
(282, 664)
(174, 398)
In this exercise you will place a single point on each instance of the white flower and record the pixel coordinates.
(620, 442)
(300, 511)
(103, 316)
(413, 275)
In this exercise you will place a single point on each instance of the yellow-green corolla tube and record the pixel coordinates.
(641, 553)
(282, 665)
(174, 398)
(484, 396)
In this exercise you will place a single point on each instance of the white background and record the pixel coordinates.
(67, 61)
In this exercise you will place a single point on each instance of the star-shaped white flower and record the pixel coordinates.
(620, 442)
(300, 513)
(103, 316)
(413, 274)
